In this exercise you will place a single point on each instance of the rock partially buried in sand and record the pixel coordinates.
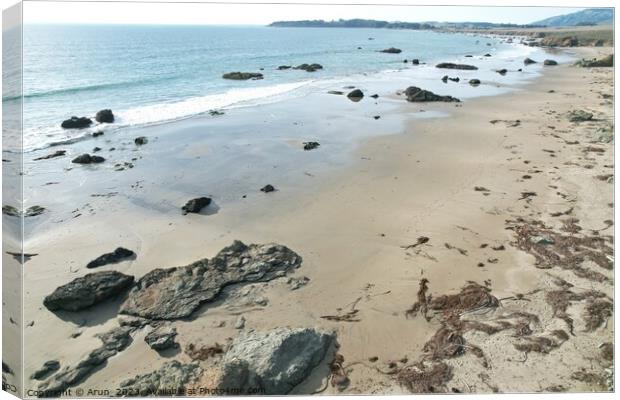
(456, 66)
(88, 159)
(311, 145)
(48, 368)
(550, 62)
(243, 76)
(104, 116)
(415, 94)
(141, 140)
(274, 361)
(268, 189)
(502, 71)
(161, 338)
(474, 82)
(196, 205)
(356, 95)
(173, 293)
(391, 50)
(58, 153)
(528, 61)
(114, 257)
(76, 123)
(171, 379)
(87, 291)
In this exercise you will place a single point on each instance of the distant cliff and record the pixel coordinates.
(371, 23)
(590, 16)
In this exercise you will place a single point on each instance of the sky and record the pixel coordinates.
(262, 14)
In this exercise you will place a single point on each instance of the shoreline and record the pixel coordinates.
(403, 186)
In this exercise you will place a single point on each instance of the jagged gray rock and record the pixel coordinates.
(172, 375)
(87, 290)
(161, 338)
(275, 361)
(48, 368)
(166, 294)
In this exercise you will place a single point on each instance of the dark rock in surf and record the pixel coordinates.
(528, 61)
(336, 92)
(456, 66)
(268, 189)
(139, 141)
(243, 76)
(58, 153)
(375, 96)
(415, 61)
(487, 55)
(98, 133)
(283, 67)
(88, 159)
(309, 67)
(87, 291)
(356, 95)
(444, 79)
(76, 123)
(550, 62)
(195, 205)
(474, 82)
(415, 94)
(502, 71)
(114, 257)
(311, 145)
(391, 50)
(104, 116)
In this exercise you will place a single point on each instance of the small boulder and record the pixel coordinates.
(456, 66)
(336, 92)
(268, 189)
(550, 62)
(139, 141)
(311, 145)
(48, 368)
(88, 159)
(375, 96)
(356, 95)
(97, 133)
(58, 153)
(487, 55)
(104, 116)
(415, 61)
(242, 76)
(391, 50)
(309, 67)
(445, 79)
(161, 338)
(114, 257)
(502, 71)
(283, 67)
(240, 323)
(195, 205)
(415, 94)
(76, 123)
(87, 291)
(474, 82)
(528, 61)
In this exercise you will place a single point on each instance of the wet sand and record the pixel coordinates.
(352, 224)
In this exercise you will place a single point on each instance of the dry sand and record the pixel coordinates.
(352, 233)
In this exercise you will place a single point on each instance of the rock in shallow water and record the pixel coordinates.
(268, 189)
(87, 290)
(274, 361)
(106, 116)
(116, 256)
(415, 94)
(195, 205)
(88, 159)
(174, 293)
(243, 76)
(356, 95)
(76, 123)
(456, 66)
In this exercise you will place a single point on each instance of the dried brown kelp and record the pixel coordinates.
(445, 343)
(596, 313)
(542, 344)
(204, 352)
(425, 378)
(422, 303)
(471, 297)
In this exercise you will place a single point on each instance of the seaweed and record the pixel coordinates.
(596, 313)
(423, 378)
(203, 353)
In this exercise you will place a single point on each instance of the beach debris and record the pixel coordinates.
(296, 283)
(311, 145)
(268, 189)
(355, 95)
(579, 116)
(309, 67)
(607, 61)
(474, 82)
(203, 353)
(161, 338)
(456, 66)
(243, 76)
(507, 122)
(420, 241)
(528, 61)
(87, 291)
(57, 153)
(527, 195)
(172, 379)
(415, 94)
(48, 368)
(274, 361)
(118, 255)
(88, 159)
(141, 140)
(542, 344)
(425, 377)
(196, 205)
(106, 116)
(550, 62)
(173, 293)
(391, 50)
(338, 375)
(422, 303)
(76, 123)
(450, 247)
(349, 316)
(113, 342)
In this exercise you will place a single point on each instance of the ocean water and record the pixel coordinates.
(152, 74)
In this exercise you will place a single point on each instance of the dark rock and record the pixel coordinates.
(268, 189)
(579, 116)
(216, 113)
(468, 55)
(474, 82)
(114, 257)
(96, 149)
(87, 291)
(48, 368)
(173, 293)
(550, 62)
(282, 67)
(76, 123)
(415, 94)
(456, 66)
(375, 96)
(457, 79)
(311, 145)
(445, 79)
(502, 71)
(377, 117)
(88, 159)
(520, 70)
(274, 361)
(169, 380)
(161, 338)
(528, 61)
(139, 141)
(10, 211)
(391, 50)
(58, 153)
(33, 211)
(196, 205)
(309, 67)
(337, 92)
(243, 76)
(405, 61)
(415, 61)
(104, 116)
(356, 95)
(607, 61)
(487, 55)
(98, 133)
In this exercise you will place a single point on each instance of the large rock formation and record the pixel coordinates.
(456, 66)
(415, 94)
(273, 362)
(172, 376)
(174, 293)
(87, 290)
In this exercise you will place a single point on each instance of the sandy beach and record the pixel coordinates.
(501, 194)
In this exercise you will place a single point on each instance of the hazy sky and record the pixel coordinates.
(208, 14)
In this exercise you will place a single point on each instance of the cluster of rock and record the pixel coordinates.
(446, 78)
(173, 375)
(242, 76)
(415, 94)
(88, 159)
(309, 67)
(102, 116)
(391, 50)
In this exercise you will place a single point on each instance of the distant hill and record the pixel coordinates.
(371, 23)
(590, 16)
